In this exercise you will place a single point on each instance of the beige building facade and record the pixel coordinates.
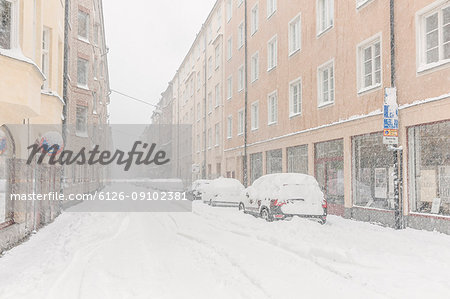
(315, 74)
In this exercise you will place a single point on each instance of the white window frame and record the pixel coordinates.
(255, 19)
(218, 95)
(271, 8)
(218, 60)
(84, 131)
(329, 14)
(15, 20)
(46, 50)
(240, 122)
(230, 87)
(82, 85)
(297, 82)
(271, 66)
(421, 15)
(210, 67)
(229, 9)
(217, 134)
(88, 23)
(239, 2)
(293, 47)
(240, 35)
(210, 102)
(241, 78)
(370, 42)
(320, 69)
(255, 67)
(361, 3)
(254, 115)
(230, 48)
(209, 138)
(229, 127)
(270, 97)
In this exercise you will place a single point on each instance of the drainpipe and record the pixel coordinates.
(204, 102)
(245, 166)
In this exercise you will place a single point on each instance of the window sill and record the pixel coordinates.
(272, 123)
(271, 14)
(362, 4)
(85, 87)
(80, 38)
(229, 99)
(294, 52)
(253, 81)
(253, 33)
(431, 66)
(368, 89)
(320, 33)
(82, 134)
(240, 134)
(295, 115)
(254, 129)
(324, 105)
(271, 68)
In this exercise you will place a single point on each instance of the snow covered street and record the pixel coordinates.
(222, 253)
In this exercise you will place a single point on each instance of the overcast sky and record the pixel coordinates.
(147, 42)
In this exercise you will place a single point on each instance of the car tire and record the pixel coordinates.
(265, 214)
(241, 207)
(323, 221)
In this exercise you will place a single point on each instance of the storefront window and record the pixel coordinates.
(429, 166)
(329, 169)
(256, 166)
(297, 159)
(373, 181)
(274, 161)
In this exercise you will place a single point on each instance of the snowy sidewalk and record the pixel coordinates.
(222, 253)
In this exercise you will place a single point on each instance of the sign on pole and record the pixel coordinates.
(390, 120)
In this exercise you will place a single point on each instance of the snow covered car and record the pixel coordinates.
(223, 192)
(196, 190)
(285, 195)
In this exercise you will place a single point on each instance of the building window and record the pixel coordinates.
(255, 115)
(241, 78)
(209, 138)
(230, 48)
(297, 159)
(6, 158)
(255, 19)
(325, 15)
(429, 166)
(239, 2)
(210, 66)
(326, 84)
(256, 167)
(95, 99)
(373, 172)
(81, 125)
(434, 42)
(272, 53)
(83, 25)
(272, 108)
(199, 143)
(240, 122)
(230, 127)
(360, 3)
(229, 10)
(82, 72)
(229, 88)
(210, 102)
(329, 169)
(209, 33)
(295, 97)
(8, 24)
(95, 67)
(255, 67)
(46, 38)
(199, 111)
(240, 35)
(369, 65)
(217, 134)
(271, 7)
(219, 17)
(218, 95)
(295, 35)
(274, 161)
(218, 58)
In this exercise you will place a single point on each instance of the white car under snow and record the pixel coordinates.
(285, 195)
(222, 192)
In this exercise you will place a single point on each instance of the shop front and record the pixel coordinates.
(297, 159)
(256, 166)
(274, 161)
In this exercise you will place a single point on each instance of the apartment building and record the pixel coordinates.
(304, 86)
(31, 89)
(86, 89)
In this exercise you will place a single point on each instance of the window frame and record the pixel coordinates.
(360, 72)
(254, 19)
(269, 3)
(330, 14)
(84, 132)
(241, 78)
(240, 122)
(230, 87)
(230, 48)
(269, 108)
(46, 56)
(230, 126)
(240, 36)
(321, 68)
(14, 30)
(297, 81)
(254, 67)
(274, 40)
(81, 85)
(254, 120)
(421, 15)
(88, 23)
(229, 10)
(217, 95)
(296, 19)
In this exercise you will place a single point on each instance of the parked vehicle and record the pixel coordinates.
(285, 195)
(223, 192)
(196, 190)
